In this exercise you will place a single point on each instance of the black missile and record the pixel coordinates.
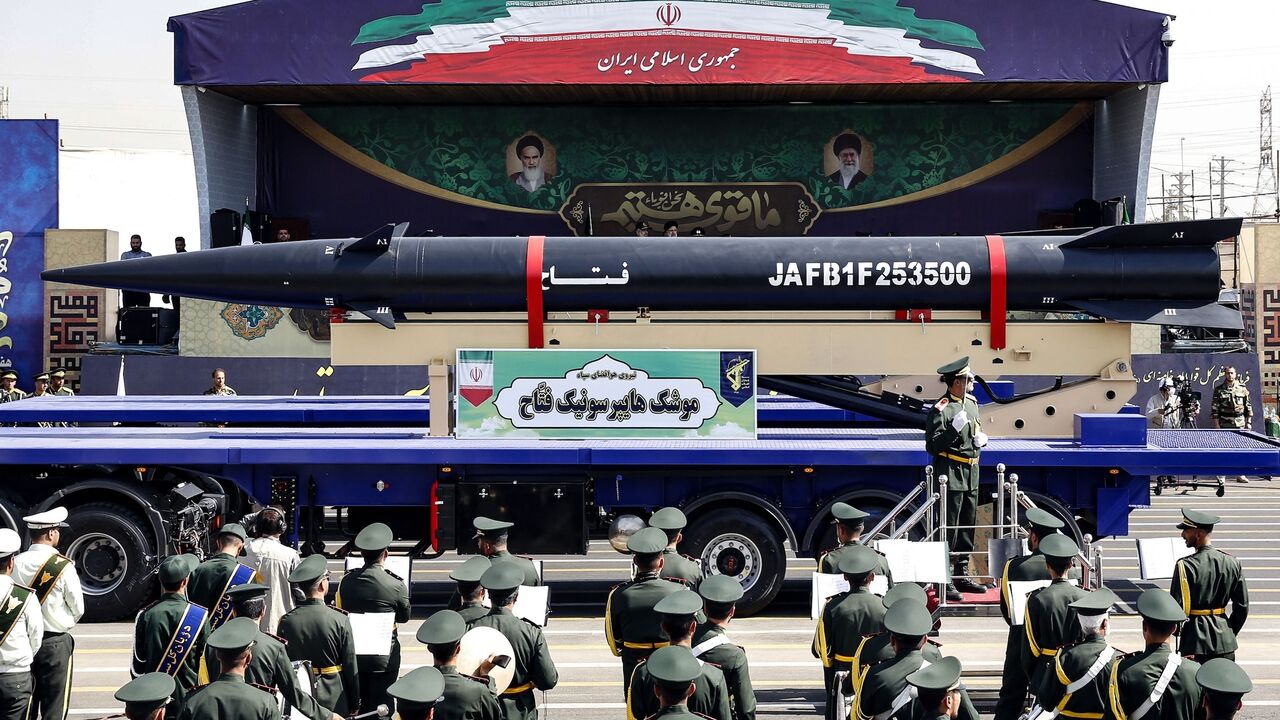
(1163, 273)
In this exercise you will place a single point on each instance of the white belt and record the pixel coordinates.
(714, 642)
(1162, 684)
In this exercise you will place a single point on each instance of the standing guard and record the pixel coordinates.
(1014, 677)
(321, 635)
(1155, 682)
(631, 627)
(169, 635)
(1077, 687)
(847, 618)
(849, 522)
(534, 669)
(674, 565)
(710, 643)
(21, 631)
(491, 536)
(1203, 584)
(374, 589)
(57, 587)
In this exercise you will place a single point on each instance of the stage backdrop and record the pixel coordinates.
(28, 207)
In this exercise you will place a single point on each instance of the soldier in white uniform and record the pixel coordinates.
(22, 627)
(56, 584)
(274, 561)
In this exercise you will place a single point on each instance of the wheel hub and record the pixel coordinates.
(101, 561)
(735, 556)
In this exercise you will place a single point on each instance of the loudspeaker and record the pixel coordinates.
(146, 326)
(224, 228)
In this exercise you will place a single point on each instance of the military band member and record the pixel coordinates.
(1223, 685)
(374, 589)
(58, 383)
(230, 695)
(1077, 687)
(674, 565)
(491, 536)
(938, 689)
(1204, 584)
(882, 692)
(220, 572)
(315, 632)
(57, 588)
(21, 632)
(534, 668)
(1026, 568)
(954, 440)
(146, 696)
(849, 522)
(1155, 683)
(711, 692)
(418, 694)
(876, 648)
(847, 617)
(1050, 622)
(631, 627)
(675, 673)
(711, 643)
(169, 635)
(464, 697)
(468, 600)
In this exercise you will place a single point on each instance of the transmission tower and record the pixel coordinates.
(1222, 185)
(1264, 193)
(1178, 206)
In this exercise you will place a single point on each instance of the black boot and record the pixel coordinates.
(963, 583)
(953, 595)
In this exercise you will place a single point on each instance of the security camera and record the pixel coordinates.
(1167, 38)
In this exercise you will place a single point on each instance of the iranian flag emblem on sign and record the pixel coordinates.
(475, 376)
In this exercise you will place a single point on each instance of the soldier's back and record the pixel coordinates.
(230, 697)
(633, 603)
(209, 579)
(466, 698)
(1136, 674)
(710, 695)
(525, 564)
(681, 567)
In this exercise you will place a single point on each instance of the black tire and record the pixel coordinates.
(878, 508)
(1058, 510)
(738, 540)
(112, 553)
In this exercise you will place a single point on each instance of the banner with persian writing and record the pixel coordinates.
(28, 207)
(564, 394)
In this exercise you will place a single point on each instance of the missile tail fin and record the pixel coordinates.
(1156, 312)
(399, 230)
(1189, 233)
(380, 314)
(378, 241)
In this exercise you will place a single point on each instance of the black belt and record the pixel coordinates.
(52, 634)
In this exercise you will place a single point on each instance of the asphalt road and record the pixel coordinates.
(787, 679)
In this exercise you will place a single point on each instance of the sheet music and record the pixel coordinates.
(532, 604)
(1020, 590)
(372, 632)
(1157, 557)
(401, 565)
(924, 562)
(537, 566)
(824, 585)
(302, 670)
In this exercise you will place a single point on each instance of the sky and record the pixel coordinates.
(105, 71)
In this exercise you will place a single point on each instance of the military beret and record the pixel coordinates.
(674, 664)
(907, 617)
(489, 527)
(51, 518)
(1221, 675)
(720, 589)
(1095, 603)
(1058, 545)
(1156, 604)
(858, 560)
(442, 628)
(1043, 521)
(941, 676)
(668, 518)
(471, 570)
(956, 367)
(421, 688)
(374, 537)
(682, 602)
(175, 568)
(9, 375)
(647, 541)
(1196, 520)
(502, 577)
(848, 514)
(247, 591)
(147, 692)
(42, 377)
(235, 634)
(310, 569)
(905, 591)
(234, 529)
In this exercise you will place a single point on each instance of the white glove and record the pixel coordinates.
(980, 439)
(960, 420)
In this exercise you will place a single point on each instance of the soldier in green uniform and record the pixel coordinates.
(465, 697)
(1050, 622)
(711, 692)
(849, 522)
(847, 617)
(534, 668)
(710, 643)
(468, 599)
(631, 627)
(1204, 584)
(876, 648)
(954, 440)
(1155, 683)
(374, 589)
(321, 635)
(58, 383)
(1231, 407)
(41, 385)
(937, 687)
(146, 696)
(1014, 678)
(169, 635)
(491, 536)
(1223, 685)
(882, 692)
(8, 391)
(220, 572)
(675, 672)
(231, 696)
(674, 565)
(419, 693)
(1077, 687)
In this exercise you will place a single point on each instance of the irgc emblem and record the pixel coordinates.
(737, 377)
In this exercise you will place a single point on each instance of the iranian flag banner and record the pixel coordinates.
(475, 375)
(667, 41)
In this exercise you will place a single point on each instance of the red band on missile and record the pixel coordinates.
(999, 290)
(533, 288)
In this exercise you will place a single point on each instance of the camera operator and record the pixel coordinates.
(1163, 409)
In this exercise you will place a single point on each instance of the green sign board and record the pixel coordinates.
(572, 394)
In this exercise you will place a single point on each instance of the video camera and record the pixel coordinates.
(1185, 401)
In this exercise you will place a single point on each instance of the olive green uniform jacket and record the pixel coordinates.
(533, 666)
(1204, 584)
(321, 634)
(631, 627)
(710, 695)
(230, 697)
(1134, 676)
(152, 632)
(732, 661)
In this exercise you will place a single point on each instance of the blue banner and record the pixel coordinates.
(29, 187)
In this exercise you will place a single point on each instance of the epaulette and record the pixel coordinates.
(393, 575)
(967, 396)
(677, 580)
(1035, 592)
(477, 678)
(264, 688)
(277, 638)
(868, 636)
(532, 623)
(931, 641)
(942, 402)
(706, 717)
(690, 558)
(195, 689)
(525, 557)
(337, 609)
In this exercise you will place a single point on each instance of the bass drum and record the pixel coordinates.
(477, 646)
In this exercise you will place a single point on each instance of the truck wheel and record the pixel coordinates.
(741, 545)
(111, 553)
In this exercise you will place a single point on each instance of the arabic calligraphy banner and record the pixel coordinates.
(574, 394)
(28, 206)
(743, 209)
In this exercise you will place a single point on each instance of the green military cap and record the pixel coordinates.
(1221, 675)
(471, 570)
(682, 602)
(420, 689)
(674, 664)
(234, 529)
(647, 541)
(502, 577)
(310, 569)
(374, 537)
(443, 628)
(905, 591)
(235, 634)
(1196, 520)
(940, 676)
(1156, 604)
(848, 514)
(956, 367)
(1058, 545)
(59, 373)
(9, 375)
(908, 618)
(42, 377)
(147, 692)
(858, 560)
(720, 589)
(247, 591)
(668, 518)
(175, 568)
(1095, 603)
(488, 526)
(1044, 522)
